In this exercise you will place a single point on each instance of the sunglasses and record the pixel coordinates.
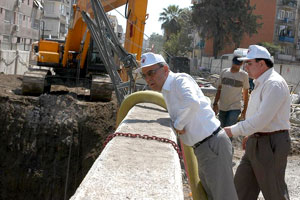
(150, 73)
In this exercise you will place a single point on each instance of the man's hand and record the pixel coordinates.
(243, 115)
(244, 142)
(228, 131)
(216, 108)
(180, 131)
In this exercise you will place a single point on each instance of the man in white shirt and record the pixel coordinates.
(267, 140)
(195, 122)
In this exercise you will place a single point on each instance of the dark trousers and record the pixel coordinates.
(262, 168)
(228, 118)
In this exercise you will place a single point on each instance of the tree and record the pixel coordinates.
(179, 43)
(169, 17)
(156, 42)
(225, 21)
(272, 48)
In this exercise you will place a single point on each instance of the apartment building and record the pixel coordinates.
(56, 19)
(19, 23)
(280, 19)
(286, 32)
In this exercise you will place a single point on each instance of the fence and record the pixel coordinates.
(290, 72)
(14, 61)
(15, 46)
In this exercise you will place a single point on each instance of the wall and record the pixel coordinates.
(14, 62)
(134, 168)
(290, 72)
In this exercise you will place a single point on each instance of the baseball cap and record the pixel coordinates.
(149, 59)
(256, 51)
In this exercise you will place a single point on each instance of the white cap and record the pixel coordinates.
(149, 59)
(256, 51)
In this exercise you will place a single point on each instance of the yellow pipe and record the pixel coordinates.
(189, 156)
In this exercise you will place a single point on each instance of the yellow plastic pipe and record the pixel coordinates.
(189, 157)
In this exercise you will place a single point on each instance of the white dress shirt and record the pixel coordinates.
(268, 107)
(188, 108)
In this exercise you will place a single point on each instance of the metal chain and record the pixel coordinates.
(21, 61)
(10, 62)
(145, 137)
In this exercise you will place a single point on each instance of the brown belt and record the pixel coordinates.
(259, 134)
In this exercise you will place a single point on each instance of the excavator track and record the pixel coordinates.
(101, 88)
(35, 83)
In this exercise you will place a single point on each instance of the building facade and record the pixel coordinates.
(280, 26)
(56, 19)
(286, 32)
(19, 23)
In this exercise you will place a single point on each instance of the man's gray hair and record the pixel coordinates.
(161, 64)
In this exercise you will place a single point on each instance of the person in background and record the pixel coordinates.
(232, 85)
(195, 122)
(266, 131)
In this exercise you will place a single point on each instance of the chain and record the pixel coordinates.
(9, 62)
(145, 137)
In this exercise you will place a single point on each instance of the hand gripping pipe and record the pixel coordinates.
(190, 161)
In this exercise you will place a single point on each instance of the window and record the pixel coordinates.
(28, 2)
(62, 9)
(6, 38)
(1, 10)
(18, 39)
(49, 8)
(9, 16)
(289, 14)
(281, 14)
(20, 19)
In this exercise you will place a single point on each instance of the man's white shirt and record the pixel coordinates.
(188, 108)
(268, 108)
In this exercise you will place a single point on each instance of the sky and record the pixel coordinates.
(154, 8)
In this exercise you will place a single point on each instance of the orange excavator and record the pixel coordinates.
(75, 62)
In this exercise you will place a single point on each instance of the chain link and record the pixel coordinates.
(145, 137)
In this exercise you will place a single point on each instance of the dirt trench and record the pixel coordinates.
(48, 143)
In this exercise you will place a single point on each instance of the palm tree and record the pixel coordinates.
(169, 17)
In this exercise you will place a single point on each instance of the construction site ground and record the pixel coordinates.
(98, 122)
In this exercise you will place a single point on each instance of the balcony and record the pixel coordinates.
(289, 3)
(286, 39)
(287, 20)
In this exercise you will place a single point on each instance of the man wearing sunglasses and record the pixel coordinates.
(195, 122)
(267, 141)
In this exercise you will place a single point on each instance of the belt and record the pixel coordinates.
(259, 134)
(205, 139)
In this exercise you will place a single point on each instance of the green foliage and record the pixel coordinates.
(169, 18)
(156, 41)
(272, 48)
(225, 21)
(179, 43)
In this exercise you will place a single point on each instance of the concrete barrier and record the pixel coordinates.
(134, 168)
(14, 62)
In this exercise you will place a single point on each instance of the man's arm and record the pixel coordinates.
(217, 98)
(245, 98)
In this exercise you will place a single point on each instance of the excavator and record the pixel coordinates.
(75, 61)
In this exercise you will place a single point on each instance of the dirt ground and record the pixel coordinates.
(10, 90)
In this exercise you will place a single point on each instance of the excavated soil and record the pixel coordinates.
(48, 143)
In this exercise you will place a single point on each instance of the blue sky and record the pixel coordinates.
(154, 8)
